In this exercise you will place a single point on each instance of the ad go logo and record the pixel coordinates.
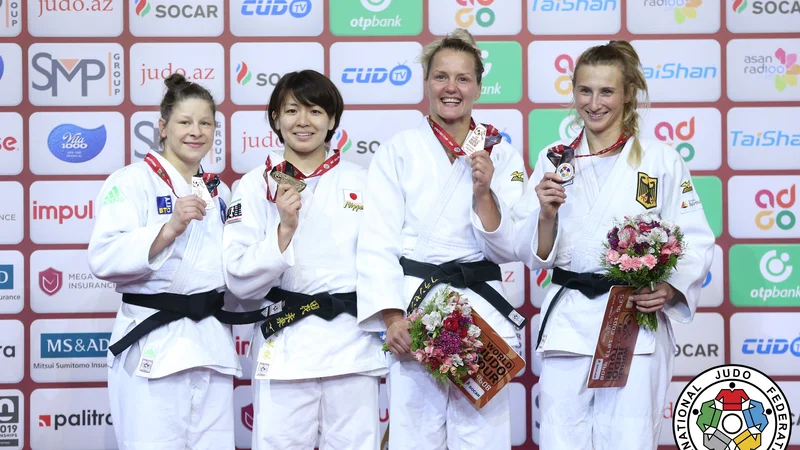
(471, 13)
(565, 65)
(398, 76)
(767, 201)
(774, 267)
(296, 8)
(682, 133)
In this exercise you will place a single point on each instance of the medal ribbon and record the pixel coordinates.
(211, 180)
(326, 165)
(448, 141)
(559, 149)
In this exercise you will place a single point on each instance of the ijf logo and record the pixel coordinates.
(768, 202)
(731, 406)
(76, 74)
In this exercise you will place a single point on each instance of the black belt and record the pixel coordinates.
(473, 275)
(291, 307)
(589, 284)
(172, 307)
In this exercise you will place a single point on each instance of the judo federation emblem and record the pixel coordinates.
(731, 407)
(647, 191)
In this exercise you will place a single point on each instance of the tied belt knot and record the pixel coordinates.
(471, 275)
(291, 307)
(589, 284)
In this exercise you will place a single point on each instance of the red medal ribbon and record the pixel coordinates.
(559, 149)
(208, 178)
(448, 141)
(326, 165)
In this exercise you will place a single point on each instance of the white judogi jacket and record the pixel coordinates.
(585, 219)
(420, 206)
(320, 258)
(127, 222)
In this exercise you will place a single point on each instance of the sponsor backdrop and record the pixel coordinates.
(80, 81)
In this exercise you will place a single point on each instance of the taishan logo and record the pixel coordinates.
(475, 11)
(679, 134)
(768, 202)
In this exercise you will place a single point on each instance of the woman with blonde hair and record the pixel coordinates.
(614, 173)
(429, 204)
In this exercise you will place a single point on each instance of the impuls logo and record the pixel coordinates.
(469, 13)
(74, 144)
(565, 65)
(342, 141)
(774, 268)
(243, 74)
(375, 5)
(767, 201)
(142, 7)
(543, 278)
(681, 134)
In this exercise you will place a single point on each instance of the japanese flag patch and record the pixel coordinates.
(353, 200)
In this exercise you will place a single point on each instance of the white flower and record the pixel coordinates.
(432, 320)
(669, 225)
(473, 331)
(658, 235)
(647, 218)
(457, 361)
(447, 309)
(466, 310)
(646, 238)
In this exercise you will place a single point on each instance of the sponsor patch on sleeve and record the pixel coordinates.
(234, 212)
(113, 196)
(517, 176)
(689, 205)
(164, 204)
(687, 187)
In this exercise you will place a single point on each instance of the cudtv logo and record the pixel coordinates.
(398, 76)
(74, 345)
(296, 8)
(73, 144)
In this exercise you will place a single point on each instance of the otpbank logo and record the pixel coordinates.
(764, 138)
(771, 16)
(673, 16)
(681, 70)
(376, 17)
(574, 16)
(692, 132)
(550, 68)
(276, 17)
(764, 275)
(495, 17)
(764, 207)
(176, 17)
(768, 67)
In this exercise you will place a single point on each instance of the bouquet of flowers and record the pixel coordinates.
(642, 251)
(444, 338)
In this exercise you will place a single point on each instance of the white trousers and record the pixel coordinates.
(188, 410)
(290, 414)
(427, 415)
(575, 417)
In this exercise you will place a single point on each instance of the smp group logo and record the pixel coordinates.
(71, 419)
(764, 275)
(375, 73)
(770, 16)
(176, 17)
(152, 63)
(550, 68)
(731, 406)
(681, 70)
(276, 17)
(494, 17)
(62, 212)
(10, 18)
(764, 138)
(692, 132)
(555, 16)
(76, 143)
(12, 219)
(763, 69)
(145, 138)
(546, 126)
(360, 133)
(376, 17)
(502, 72)
(11, 143)
(252, 140)
(257, 67)
(74, 18)
(700, 344)
(767, 340)
(66, 285)
(10, 74)
(673, 16)
(12, 354)
(67, 350)
(763, 207)
(76, 74)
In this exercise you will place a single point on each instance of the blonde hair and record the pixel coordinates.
(622, 55)
(459, 40)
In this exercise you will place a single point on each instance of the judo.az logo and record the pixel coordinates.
(731, 407)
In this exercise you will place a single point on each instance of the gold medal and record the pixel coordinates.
(282, 178)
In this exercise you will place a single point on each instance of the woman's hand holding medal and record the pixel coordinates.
(482, 171)
(288, 202)
(551, 196)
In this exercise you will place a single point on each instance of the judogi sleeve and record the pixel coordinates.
(251, 259)
(696, 262)
(507, 186)
(120, 244)
(526, 229)
(380, 244)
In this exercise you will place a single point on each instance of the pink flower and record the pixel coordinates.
(419, 355)
(628, 264)
(672, 247)
(627, 236)
(649, 260)
(612, 256)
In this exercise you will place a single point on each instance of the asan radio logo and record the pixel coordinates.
(63, 18)
(75, 74)
(681, 70)
(673, 16)
(10, 18)
(375, 73)
(580, 17)
(478, 16)
(763, 138)
(145, 138)
(763, 69)
(276, 17)
(176, 18)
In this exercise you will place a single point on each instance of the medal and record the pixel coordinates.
(200, 189)
(476, 140)
(566, 171)
(282, 178)
(563, 156)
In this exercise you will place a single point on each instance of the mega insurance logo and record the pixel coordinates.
(764, 275)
